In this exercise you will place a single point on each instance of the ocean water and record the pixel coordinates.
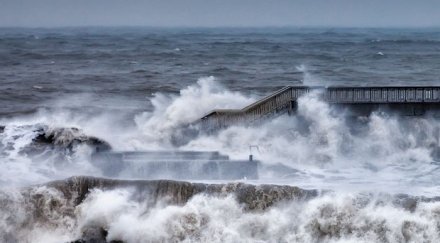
(133, 63)
(134, 88)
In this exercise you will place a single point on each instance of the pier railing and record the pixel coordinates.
(284, 100)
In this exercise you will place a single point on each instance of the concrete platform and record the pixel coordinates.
(178, 165)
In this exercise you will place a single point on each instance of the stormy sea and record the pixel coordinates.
(97, 142)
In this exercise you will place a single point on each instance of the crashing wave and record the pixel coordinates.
(35, 153)
(87, 209)
(40, 137)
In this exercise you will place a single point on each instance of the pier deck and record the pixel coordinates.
(414, 100)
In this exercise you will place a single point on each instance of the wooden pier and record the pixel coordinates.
(412, 101)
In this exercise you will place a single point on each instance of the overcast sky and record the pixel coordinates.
(224, 13)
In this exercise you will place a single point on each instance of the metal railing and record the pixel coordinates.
(278, 102)
(283, 100)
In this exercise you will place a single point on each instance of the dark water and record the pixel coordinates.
(132, 63)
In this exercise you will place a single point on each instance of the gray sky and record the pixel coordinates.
(214, 13)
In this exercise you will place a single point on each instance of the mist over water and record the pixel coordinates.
(323, 146)
(82, 99)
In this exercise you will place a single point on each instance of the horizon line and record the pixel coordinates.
(224, 27)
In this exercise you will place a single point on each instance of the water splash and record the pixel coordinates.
(121, 215)
(318, 147)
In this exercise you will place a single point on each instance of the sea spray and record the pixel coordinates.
(320, 145)
(170, 113)
(132, 211)
(98, 80)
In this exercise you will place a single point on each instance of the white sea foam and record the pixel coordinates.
(170, 113)
(319, 147)
(334, 217)
(308, 78)
(322, 146)
(388, 152)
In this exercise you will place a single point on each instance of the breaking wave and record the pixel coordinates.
(172, 112)
(123, 215)
(320, 147)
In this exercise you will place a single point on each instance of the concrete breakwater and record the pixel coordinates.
(254, 197)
